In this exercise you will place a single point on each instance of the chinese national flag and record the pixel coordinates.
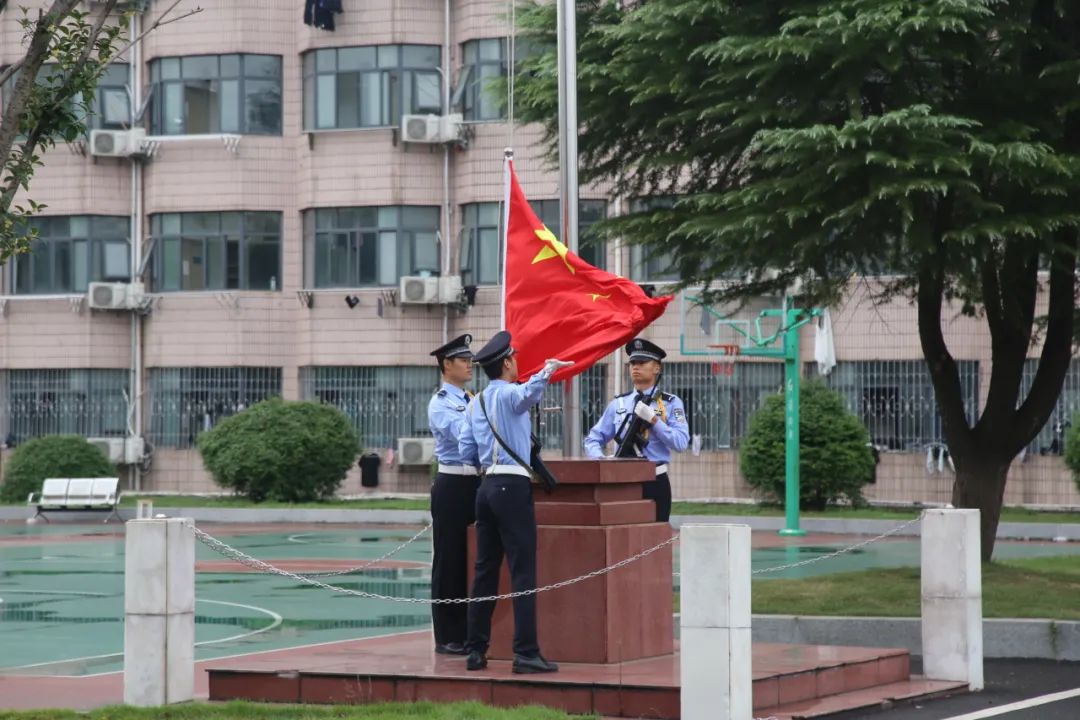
(559, 306)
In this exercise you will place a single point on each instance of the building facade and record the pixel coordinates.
(272, 211)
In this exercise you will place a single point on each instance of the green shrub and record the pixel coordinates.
(835, 460)
(283, 451)
(51, 456)
(1072, 449)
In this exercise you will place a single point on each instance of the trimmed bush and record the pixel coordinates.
(284, 451)
(835, 461)
(1072, 449)
(51, 456)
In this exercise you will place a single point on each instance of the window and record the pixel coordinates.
(109, 110)
(187, 401)
(383, 403)
(484, 61)
(216, 251)
(895, 399)
(72, 251)
(370, 86)
(481, 236)
(719, 406)
(644, 265)
(1051, 439)
(356, 246)
(90, 403)
(201, 94)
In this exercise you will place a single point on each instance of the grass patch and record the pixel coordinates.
(190, 501)
(254, 711)
(869, 513)
(1029, 588)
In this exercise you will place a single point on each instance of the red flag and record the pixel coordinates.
(559, 306)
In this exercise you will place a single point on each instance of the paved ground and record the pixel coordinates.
(1007, 682)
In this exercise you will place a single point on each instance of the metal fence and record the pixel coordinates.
(383, 403)
(184, 402)
(1051, 439)
(87, 402)
(895, 399)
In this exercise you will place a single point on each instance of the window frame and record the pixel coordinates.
(404, 233)
(96, 241)
(399, 83)
(245, 241)
(161, 85)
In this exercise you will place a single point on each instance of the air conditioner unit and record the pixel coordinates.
(117, 143)
(450, 127)
(421, 128)
(419, 290)
(115, 296)
(120, 451)
(415, 451)
(450, 289)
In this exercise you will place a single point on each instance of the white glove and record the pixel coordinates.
(551, 366)
(645, 412)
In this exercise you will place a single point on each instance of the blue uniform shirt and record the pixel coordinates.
(446, 418)
(508, 408)
(669, 433)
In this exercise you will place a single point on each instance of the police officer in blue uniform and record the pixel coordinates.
(453, 495)
(665, 414)
(505, 518)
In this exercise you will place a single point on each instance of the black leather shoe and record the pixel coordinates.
(451, 648)
(527, 665)
(476, 661)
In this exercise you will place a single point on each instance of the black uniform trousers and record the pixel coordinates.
(660, 491)
(453, 509)
(505, 523)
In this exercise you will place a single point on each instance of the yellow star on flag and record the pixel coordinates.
(594, 296)
(552, 248)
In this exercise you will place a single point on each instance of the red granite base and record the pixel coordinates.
(404, 668)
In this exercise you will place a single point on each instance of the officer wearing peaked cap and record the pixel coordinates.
(500, 442)
(453, 496)
(664, 413)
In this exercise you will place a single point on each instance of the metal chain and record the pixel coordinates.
(376, 561)
(841, 551)
(244, 559)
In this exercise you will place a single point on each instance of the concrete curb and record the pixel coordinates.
(1063, 532)
(1006, 638)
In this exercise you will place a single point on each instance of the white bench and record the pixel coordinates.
(76, 495)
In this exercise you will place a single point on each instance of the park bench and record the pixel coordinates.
(76, 495)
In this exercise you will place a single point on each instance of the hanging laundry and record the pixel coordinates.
(320, 13)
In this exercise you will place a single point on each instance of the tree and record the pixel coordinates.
(285, 451)
(823, 140)
(49, 93)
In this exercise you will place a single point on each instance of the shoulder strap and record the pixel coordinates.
(498, 439)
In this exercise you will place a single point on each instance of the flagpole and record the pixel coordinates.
(508, 159)
(568, 191)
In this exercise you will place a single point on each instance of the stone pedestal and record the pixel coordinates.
(595, 518)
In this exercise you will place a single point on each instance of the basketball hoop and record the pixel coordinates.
(727, 355)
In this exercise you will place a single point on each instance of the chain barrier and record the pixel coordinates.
(372, 563)
(243, 558)
(837, 553)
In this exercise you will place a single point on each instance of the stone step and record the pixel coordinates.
(874, 696)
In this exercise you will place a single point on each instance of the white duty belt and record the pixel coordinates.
(458, 469)
(661, 469)
(507, 470)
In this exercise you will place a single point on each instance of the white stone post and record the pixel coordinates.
(715, 623)
(159, 612)
(952, 640)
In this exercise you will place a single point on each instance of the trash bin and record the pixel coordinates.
(369, 470)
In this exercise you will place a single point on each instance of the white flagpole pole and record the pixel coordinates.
(568, 191)
(508, 158)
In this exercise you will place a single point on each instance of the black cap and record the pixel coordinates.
(642, 349)
(458, 347)
(498, 348)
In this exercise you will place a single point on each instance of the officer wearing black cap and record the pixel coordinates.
(453, 495)
(500, 442)
(665, 414)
